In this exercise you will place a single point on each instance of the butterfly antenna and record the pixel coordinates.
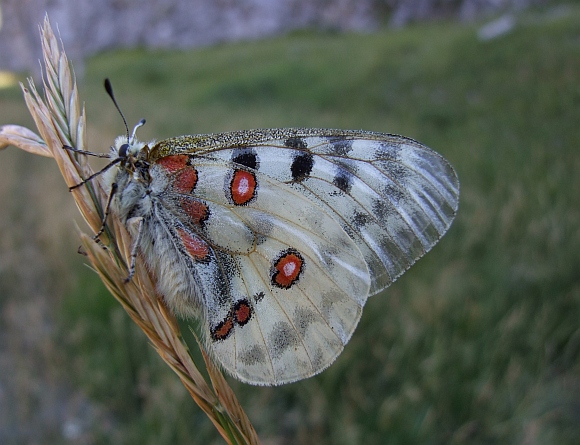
(139, 124)
(109, 89)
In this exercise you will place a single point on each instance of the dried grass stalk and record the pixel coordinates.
(61, 120)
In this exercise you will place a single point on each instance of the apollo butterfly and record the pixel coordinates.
(276, 238)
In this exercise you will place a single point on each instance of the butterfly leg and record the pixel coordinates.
(94, 175)
(106, 213)
(84, 152)
(134, 246)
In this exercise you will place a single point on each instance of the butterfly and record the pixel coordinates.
(275, 238)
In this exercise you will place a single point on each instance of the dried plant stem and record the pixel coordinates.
(61, 121)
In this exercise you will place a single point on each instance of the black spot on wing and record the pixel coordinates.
(301, 167)
(343, 180)
(281, 337)
(340, 146)
(361, 219)
(394, 194)
(345, 174)
(381, 209)
(253, 355)
(296, 142)
(259, 296)
(247, 157)
(388, 152)
(396, 170)
(302, 319)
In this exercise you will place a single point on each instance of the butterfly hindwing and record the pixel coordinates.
(291, 283)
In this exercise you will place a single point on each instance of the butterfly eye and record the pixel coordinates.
(123, 150)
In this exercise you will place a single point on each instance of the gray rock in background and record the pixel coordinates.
(90, 26)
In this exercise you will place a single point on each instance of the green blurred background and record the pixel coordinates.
(478, 343)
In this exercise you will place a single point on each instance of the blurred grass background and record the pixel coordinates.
(478, 343)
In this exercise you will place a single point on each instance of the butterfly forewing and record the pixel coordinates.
(392, 195)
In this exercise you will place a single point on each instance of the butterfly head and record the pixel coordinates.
(129, 147)
(132, 155)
